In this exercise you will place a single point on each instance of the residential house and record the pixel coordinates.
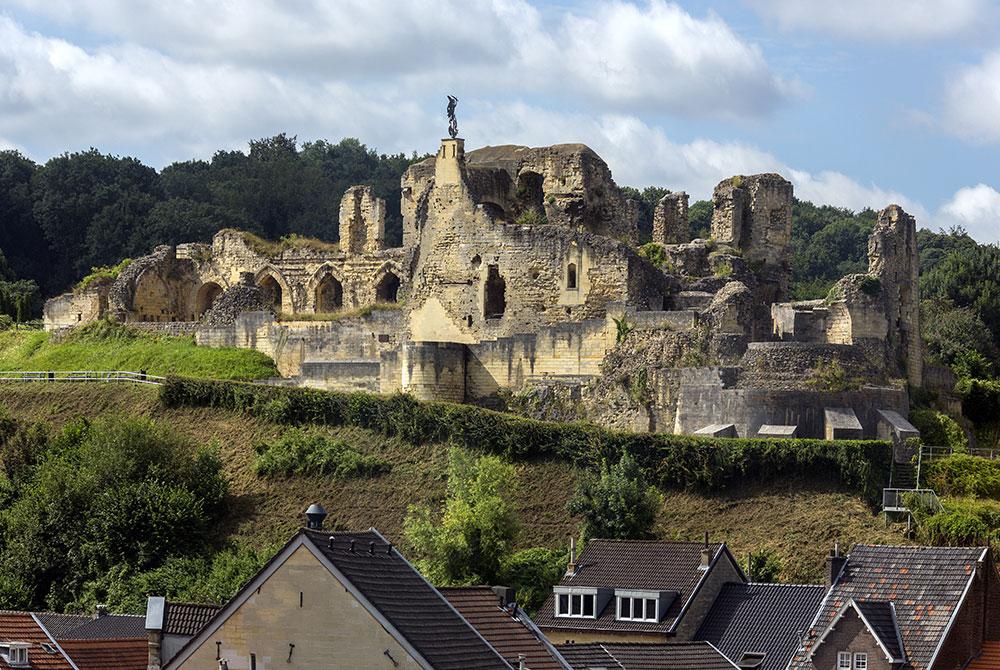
(903, 608)
(338, 600)
(46, 641)
(495, 614)
(760, 626)
(638, 656)
(637, 591)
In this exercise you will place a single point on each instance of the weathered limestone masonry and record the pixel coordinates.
(518, 285)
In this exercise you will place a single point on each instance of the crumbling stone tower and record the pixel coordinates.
(362, 221)
(670, 219)
(893, 259)
(754, 214)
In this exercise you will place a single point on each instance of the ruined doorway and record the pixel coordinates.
(529, 193)
(387, 289)
(206, 296)
(329, 295)
(271, 292)
(494, 296)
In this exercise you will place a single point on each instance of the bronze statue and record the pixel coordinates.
(452, 121)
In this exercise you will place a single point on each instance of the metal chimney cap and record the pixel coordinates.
(315, 516)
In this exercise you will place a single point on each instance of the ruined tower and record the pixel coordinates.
(670, 219)
(362, 221)
(892, 258)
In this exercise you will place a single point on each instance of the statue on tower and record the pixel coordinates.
(452, 121)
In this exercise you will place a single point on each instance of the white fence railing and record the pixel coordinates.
(894, 500)
(81, 376)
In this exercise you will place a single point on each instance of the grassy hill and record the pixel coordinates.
(797, 519)
(105, 346)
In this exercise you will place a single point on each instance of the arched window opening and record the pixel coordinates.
(571, 276)
(387, 289)
(494, 300)
(206, 296)
(271, 292)
(329, 295)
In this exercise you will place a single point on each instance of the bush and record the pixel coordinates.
(533, 572)
(477, 527)
(300, 452)
(961, 523)
(980, 399)
(654, 253)
(619, 504)
(963, 475)
(100, 274)
(939, 430)
(6, 322)
(763, 567)
(531, 217)
(672, 461)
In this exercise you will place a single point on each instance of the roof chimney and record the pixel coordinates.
(521, 662)
(834, 564)
(506, 594)
(706, 554)
(315, 516)
(571, 566)
(100, 610)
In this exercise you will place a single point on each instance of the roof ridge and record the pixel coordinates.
(818, 586)
(622, 540)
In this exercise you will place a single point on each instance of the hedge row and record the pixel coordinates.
(675, 460)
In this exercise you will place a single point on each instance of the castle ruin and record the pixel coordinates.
(519, 278)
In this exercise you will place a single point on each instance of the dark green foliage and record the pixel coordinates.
(963, 522)
(672, 460)
(827, 243)
(301, 452)
(762, 567)
(969, 279)
(980, 399)
(117, 494)
(533, 572)
(700, 219)
(957, 337)
(963, 475)
(938, 429)
(619, 504)
(654, 253)
(647, 199)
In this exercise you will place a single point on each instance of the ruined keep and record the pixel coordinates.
(519, 285)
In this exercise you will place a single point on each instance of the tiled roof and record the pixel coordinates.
(632, 564)
(21, 627)
(82, 627)
(624, 656)
(108, 654)
(882, 621)
(989, 659)
(501, 627)
(925, 584)
(186, 618)
(414, 608)
(761, 618)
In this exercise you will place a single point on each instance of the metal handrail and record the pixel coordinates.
(81, 376)
(892, 499)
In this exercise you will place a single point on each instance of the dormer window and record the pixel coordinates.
(751, 660)
(16, 654)
(576, 602)
(638, 607)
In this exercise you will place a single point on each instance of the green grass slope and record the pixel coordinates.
(798, 521)
(104, 346)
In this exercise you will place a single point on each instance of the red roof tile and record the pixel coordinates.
(108, 654)
(21, 627)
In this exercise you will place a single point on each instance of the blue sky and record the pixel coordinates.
(859, 103)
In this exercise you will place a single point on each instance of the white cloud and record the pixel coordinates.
(972, 101)
(894, 20)
(975, 208)
(654, 56)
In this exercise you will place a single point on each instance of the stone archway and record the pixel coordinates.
(387, 289)
(329, 295)
(207, 294)
(271, 290)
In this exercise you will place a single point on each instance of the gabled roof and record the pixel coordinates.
(880, 620)
(83, 627)
(108, 654)
(509, 630)
(186, 618)
(638, 565)
(24, 627)
(761, 618)
(392, 591)
(638, 656)
(926, 586)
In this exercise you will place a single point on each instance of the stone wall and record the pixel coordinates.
(71, 309)
(670, 219)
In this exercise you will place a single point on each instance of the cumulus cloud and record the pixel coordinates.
(653, 56)
(896, 20)
(972, 101)
(975, 208)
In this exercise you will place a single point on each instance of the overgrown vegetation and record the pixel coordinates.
(301, 452)
(654, 253)
(618, 503)
(672, 460)
(284, 243)
(938, 429)
(96, 504)
(831, 376)
(102, 274)
(532, 217)
(962, 475)
(104, 345)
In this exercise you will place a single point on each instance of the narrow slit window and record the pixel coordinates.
(571, 276)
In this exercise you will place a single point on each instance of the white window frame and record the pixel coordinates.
(571, 594)
(17, 654)
(632, 596)
(860, 660)
(843, 656)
